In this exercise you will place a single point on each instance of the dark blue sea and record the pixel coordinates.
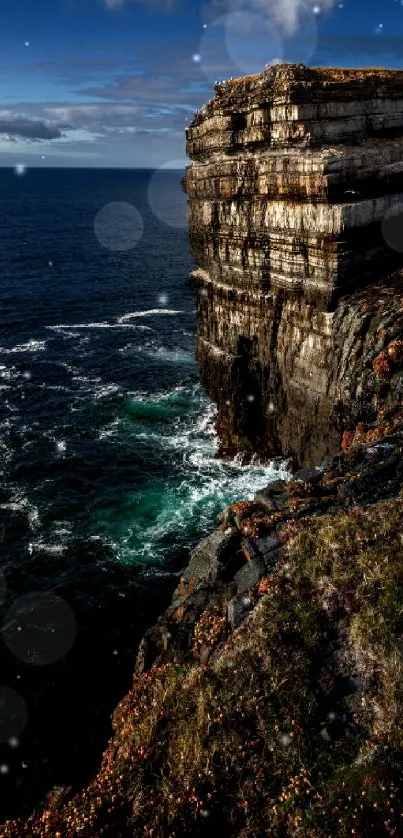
(107, 446)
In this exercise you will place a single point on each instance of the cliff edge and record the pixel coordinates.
(267, 699)
(295, 211)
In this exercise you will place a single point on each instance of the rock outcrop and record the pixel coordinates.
(295, 194)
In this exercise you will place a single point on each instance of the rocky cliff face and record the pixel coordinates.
(295, 191)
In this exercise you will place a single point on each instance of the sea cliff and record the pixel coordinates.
(295, 191)
(267, 700)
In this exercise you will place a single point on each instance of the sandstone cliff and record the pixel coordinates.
(294, 194)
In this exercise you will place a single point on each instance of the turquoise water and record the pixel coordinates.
(180, 505)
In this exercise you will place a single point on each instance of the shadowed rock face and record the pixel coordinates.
(295, 192)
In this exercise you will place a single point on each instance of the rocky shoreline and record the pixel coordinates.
(267, 699)
(300, 594)
(220, 580)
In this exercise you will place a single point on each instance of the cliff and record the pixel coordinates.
(267, 700)
(295, 191)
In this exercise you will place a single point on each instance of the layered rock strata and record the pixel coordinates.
(295, 191)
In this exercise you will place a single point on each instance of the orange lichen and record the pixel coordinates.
(381, 364)
(240, 507)
(263, 585)
(395, 351)
(386, 422)
(209, 629)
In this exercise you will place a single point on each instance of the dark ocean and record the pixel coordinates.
(107, 446)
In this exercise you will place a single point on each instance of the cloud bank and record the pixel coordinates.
(27, 129)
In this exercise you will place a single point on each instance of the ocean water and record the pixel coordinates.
(107, 444)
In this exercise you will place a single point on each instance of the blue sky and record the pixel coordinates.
(109, 83)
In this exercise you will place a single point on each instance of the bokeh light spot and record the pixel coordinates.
(118, 226)
(166, 197)
(39, 628)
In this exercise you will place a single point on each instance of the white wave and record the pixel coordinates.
(65, 332)
(53, 549)
(205, 422)
(11, 407)
(86, 379)
(99, 387)
(151, 571)
(160, 353)
(155, 398)
(61, 528)
(8, 373)
(93, 385)
(31, 346)
(20, 502)
(107, 390)
(33, 517)
(5, 452)
(205, 485)
(149, 313)
(8, 423)
(110, 429)
(68, 367)
(66, 327)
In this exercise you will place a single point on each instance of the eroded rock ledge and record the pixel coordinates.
(295, 191)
